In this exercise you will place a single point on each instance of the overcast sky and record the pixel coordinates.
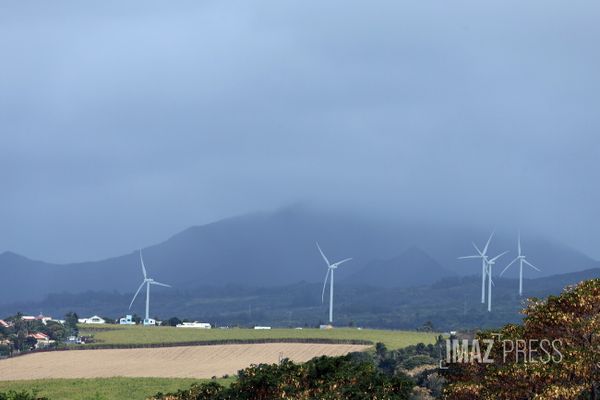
(122, 123)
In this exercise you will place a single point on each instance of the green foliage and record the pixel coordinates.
(572, 319)
(326, 378)
(71, 320)
(21, 395)
(100, 388)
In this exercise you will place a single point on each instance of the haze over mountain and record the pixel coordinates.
(278, 248)
(411, 268)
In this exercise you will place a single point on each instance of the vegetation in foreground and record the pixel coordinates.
(118, 334)
(383, 374)
(321, 378)
(95, 389)
(572, 318)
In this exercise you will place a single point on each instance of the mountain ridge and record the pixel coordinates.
(271, 249)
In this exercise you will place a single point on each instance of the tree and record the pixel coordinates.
(324, 378)
(71, 320)
(173, 321)
(572, 319)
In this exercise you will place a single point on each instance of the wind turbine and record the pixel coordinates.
(484, 260)
(147, 281)
(330, 269)
(522, 260)
(490, 264)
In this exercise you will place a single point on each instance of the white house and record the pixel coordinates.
(128, 320)
(195, 324)
(92, 320)
(262, 327)
(42, 340)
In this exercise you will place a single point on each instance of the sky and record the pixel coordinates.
(122, 123)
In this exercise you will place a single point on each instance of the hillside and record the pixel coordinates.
(452, 302)
(411, 268)
(274, 249)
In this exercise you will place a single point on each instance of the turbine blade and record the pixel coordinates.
(143, 267)
(465, 257)
(532, 266)
(477, 248)
(511, 263)
(498, 256)
(485, 249)
(341, 262)
(160, 284)
(323, 254)
(324, 285)
(519, 243)
(136, 293)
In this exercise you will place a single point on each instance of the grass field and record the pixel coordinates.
(119, 334)
(102, 388)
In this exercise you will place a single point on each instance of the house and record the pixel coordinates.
(195, 324)
(4, 324)
(92, 320)
(262, 327)
(128, 320)
(28, 318)
(42, 339)
(43, 319)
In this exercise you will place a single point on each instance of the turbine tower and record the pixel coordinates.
(522, 260)
(147, 281)
(330, 269)
(484, 261)
(490, 264)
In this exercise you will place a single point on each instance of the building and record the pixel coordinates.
(92, 320)
(128, 320)
(42, 339)
(262, 327)
(195, 324)
(4, 324)
(43, 319)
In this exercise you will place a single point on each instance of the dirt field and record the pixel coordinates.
(168, 362)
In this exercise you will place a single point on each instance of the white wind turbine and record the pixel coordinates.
(484, 261)
(330, 270)
(490, 264)
(147, 281)
(522, 260)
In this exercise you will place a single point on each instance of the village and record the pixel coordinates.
(26, 333)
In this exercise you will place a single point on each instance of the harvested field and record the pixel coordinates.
(166, 362)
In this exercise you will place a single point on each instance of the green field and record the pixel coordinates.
(101, 388)
(119, 334)
(139, 388)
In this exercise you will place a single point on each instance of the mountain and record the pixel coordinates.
(274, 249)
(450, 304)
(411, 268)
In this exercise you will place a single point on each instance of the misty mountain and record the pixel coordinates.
(278, 248)
(413, 267)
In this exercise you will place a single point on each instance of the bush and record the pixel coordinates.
(326, 378)
(12, 395)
